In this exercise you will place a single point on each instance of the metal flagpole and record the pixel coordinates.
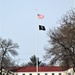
(37, 46)
(40, 16)
(74, 4)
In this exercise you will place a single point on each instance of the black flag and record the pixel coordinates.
(41, 27)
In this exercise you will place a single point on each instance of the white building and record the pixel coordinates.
(45, 70)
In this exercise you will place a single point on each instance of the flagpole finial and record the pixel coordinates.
(36, 9)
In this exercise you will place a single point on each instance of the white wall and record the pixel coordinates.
(70, 71)
(41, 73)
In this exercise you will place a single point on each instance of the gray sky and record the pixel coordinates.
(18, 21)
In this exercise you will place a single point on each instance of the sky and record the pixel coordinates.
(19, 22)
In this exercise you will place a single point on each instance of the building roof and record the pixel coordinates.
(40, 69)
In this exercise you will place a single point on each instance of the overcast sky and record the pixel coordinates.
(19, 22)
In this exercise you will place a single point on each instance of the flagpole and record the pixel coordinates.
(40, 16)
(74, 4)
(37, 46)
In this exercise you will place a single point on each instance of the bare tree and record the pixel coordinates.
(7, 47)
(62, 41)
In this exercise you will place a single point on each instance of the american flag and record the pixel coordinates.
(40, 16)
